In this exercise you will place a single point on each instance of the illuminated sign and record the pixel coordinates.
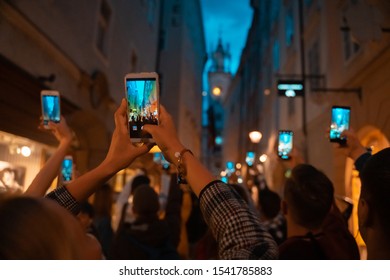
(290, 88)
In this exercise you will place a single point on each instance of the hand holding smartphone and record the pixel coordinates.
(50, 103)
(339, 123)
(142, 95)
(285, 144)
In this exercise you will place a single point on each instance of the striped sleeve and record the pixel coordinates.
(238, 231)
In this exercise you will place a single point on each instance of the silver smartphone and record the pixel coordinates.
(142, 94)
(50, 103)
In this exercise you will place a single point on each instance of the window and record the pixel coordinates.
(289, 27)
(103, 24)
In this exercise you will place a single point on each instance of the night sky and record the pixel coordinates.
(231, 19)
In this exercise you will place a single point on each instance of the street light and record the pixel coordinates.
(255, 136)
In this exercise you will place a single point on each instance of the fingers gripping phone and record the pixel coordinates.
(142, 94)
(67, 169)
(339, 123)
(285, 144)
(50, 103)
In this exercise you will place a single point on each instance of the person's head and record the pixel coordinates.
(34, 228)
(374, 206)
(145, 202)
(308, 196)
(269, 203)
(139, 181)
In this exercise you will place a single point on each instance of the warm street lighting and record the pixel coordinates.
(263, 158)
(217, 91)
(255, 136)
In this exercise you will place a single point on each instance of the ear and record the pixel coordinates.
(284, 207)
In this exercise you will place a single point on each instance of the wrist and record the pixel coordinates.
(356, 153)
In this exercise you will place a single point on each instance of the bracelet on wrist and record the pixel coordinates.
(181, 170)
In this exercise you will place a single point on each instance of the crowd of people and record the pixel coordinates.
(303, 224)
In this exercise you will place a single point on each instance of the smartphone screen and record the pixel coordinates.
(67, 169)
(339, 123)
(250, 158)
(142, 104)
(50, 106)
(285, 144)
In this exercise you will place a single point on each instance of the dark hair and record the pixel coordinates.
(269, 202)
(375, 178)
(29, 230)
(309, 195)
(139, 181)
(145, 201)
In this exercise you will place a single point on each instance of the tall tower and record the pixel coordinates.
(219, 78)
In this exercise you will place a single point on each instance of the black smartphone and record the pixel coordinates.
(285, 144)
(67, 169)
(339, 123)
(142, 94)
(50, 101)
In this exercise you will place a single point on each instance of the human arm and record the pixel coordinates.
(121, 154)
(354, 149)
(237, 230)
(49, 171)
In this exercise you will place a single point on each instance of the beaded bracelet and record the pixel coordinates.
(181, 171)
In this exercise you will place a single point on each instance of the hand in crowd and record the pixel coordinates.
(165, 135)
(166, 138)
(49, 171)
(121, 154)
(352, 148)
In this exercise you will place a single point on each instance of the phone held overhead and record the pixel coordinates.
(67, 169)
(339, 123)
(142, 94)
(50, 103)
(285, 144)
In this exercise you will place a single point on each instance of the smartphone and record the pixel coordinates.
(50, 101)
(285, 144)
(250, 158)
(142, 94)
(67, 169)
(339, 123)
(160, 159)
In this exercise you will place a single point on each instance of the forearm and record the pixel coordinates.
(48, 172)
(196, 174)
(85, 185)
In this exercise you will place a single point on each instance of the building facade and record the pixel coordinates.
(83, 49)
(341, 51)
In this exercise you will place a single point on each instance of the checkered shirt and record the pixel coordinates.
(238, 231)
